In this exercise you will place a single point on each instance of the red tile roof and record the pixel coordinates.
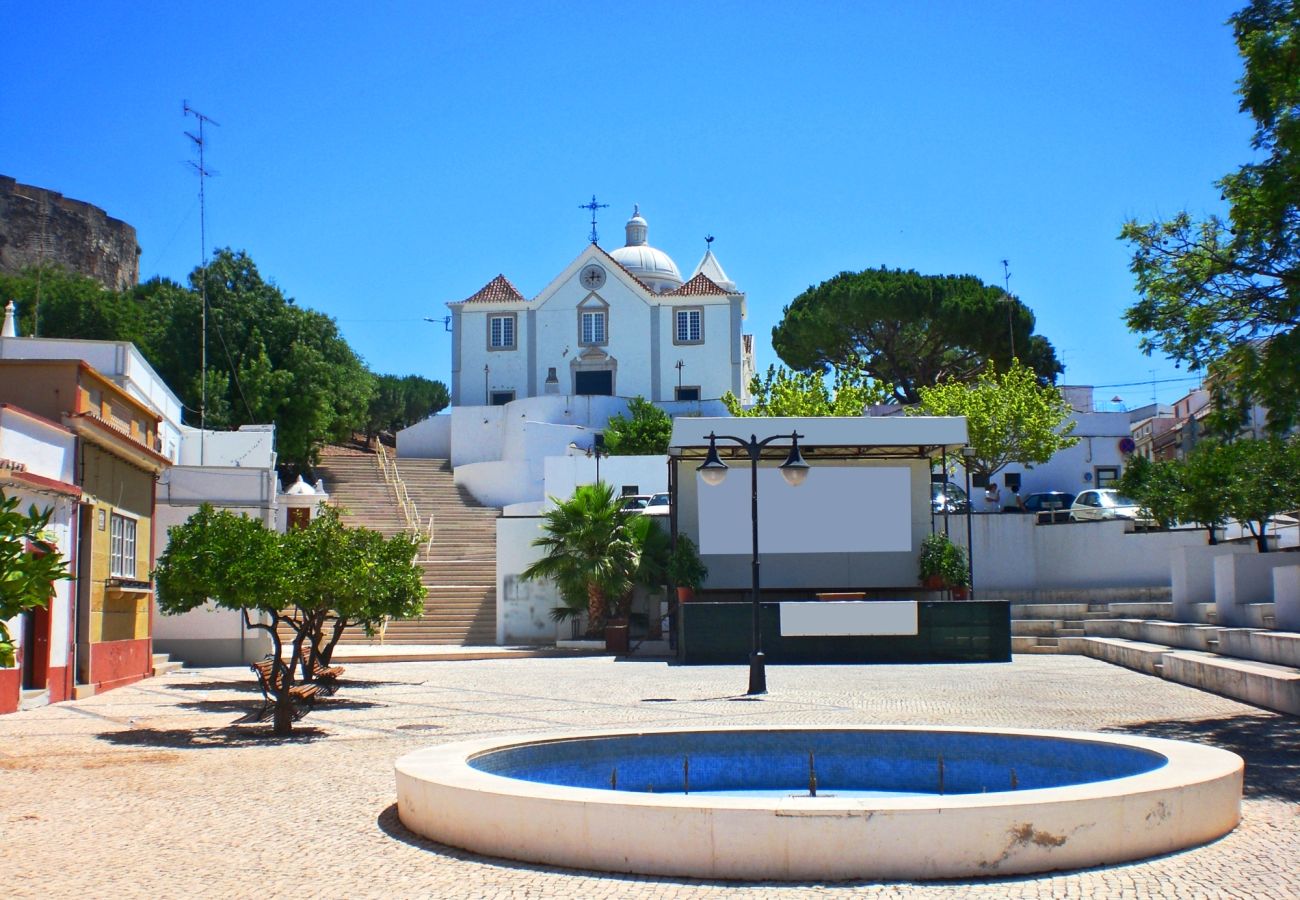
(498, 290)
(698, 286)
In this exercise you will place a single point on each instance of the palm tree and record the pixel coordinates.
(590, 554)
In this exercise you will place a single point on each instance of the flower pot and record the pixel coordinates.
(685, 594)
(616, 636)
(961, 592)
(934, 582)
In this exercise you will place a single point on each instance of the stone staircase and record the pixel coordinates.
(459, 562)
(1255, 666)
(1058, 627)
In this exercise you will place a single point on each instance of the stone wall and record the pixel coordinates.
(39, 226)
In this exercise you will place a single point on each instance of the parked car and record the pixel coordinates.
(1048, 501)
(946, 495)
(659, 505)
(635, 502)
(1106, 503)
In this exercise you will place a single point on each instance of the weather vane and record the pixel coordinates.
(593, 206)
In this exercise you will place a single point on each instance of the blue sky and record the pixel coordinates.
(378, 160)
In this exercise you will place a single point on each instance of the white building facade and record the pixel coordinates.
(620, 324)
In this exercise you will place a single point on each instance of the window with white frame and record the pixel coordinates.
(121, 547)
(501, 332)
(690, 326)
(593, 327)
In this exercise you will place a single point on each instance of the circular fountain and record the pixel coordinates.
(801, 804)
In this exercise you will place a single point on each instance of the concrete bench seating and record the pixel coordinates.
(1137, 655)
(1280, 648)
(1257, 683)
(1253, 681)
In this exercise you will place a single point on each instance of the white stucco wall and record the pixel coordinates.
(46, 450)
(1074, 469)
(523, 607)
(428, 439)
(564, 473)
(1014, 554)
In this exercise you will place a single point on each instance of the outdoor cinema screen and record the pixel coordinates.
(847, 509)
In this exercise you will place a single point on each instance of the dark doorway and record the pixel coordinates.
(594, 384)
(36, 648)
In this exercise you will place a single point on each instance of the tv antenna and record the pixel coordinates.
(1006, 280)
(204, 174)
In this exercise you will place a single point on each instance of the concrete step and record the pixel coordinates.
(1137, 655)
(163, 664)
(1029, 644)
(1260, 684)
(33, 698)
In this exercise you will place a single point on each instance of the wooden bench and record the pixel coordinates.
(302, 695)
(327, 678)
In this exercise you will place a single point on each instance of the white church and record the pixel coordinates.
(538, 379)
(613, 324)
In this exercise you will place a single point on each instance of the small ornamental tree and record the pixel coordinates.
(28, 567)
(1010, 417)
(235, 563)
(306, 581)
(348, 577)
(1207, 484)
(1263, 483)
(1157, 486)
(782, 392)
(646, 432)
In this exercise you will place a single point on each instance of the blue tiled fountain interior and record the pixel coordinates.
(891, 761)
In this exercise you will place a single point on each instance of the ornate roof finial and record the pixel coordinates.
(593, 206)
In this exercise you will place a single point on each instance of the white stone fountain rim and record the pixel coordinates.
(1187, 763)
(1193, 798)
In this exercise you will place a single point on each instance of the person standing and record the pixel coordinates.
(992, 497)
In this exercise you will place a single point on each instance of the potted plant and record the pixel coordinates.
(942, 564)
(685, 569)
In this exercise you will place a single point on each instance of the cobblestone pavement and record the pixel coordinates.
(151, 791)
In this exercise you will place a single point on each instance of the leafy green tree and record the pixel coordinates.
(782, 392)
(26, 577)
(399, 402)
(348, 577)
(313, 582)
(1222, 295)
(1207, 479)
(235, 563)
(1010, 417)
(646, 432)
(907, 331)
(1263, 483)
(269, 359)
(589, 555)
(1157, 486)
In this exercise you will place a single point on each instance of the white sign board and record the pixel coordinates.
(846, 509)
(860, 617)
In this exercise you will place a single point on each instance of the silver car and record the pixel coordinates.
(1106, 503)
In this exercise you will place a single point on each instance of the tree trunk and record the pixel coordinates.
(1213, 538)
(1261, 538)
(596, 612)
(328, 653)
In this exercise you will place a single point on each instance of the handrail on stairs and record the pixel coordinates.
(394, 480)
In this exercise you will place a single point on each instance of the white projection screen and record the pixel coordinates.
(836, 510)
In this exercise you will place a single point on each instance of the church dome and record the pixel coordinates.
(653, 266)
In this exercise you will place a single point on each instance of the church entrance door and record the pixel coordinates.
(594, 384)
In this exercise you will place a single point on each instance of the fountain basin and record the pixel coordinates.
(891, 802)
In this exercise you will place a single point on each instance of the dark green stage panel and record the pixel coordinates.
(949, 631)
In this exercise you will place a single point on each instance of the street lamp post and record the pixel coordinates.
(968, 456)
(794, 470)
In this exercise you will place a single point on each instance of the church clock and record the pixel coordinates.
(592, 277)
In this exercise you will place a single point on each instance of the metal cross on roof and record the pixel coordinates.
(593, 206)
